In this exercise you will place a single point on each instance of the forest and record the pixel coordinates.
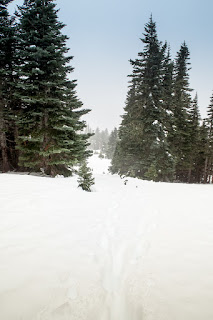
(41, 129)
(161, 137)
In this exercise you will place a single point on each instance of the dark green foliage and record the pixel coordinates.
(85, 180)
(160, 137)
(194, 150)
(142, 149)
(179, 137)
(167, 93)
(7, 82)
(208, 170)
(49, 121)
(199, 172)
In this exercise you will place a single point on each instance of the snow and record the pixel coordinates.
(140, 251)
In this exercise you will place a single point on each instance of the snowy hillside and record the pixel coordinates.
(140, 251)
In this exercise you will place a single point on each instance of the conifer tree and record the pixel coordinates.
(142, 149)
(85, 180)
(180, 135)
(194, 140)
(200, 170)
(124, 161)
(208, 170)
(113, 137)
(6, 84)
(168, 89)
(50, 120)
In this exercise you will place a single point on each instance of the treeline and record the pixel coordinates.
(103, 141)
(162, 137)
(40, 114)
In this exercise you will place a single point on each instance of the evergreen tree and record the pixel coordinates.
(124, 160)
(194, 141)
(200, 169)
(50, 120)
(104, 141)
(180, 135)
(142, 149)
(208, 170)
(113, 138)
(85, 180)
(7, 40)
(168, 89)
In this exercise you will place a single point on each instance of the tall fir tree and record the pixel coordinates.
(199, 171)
(50, 122)
(208, 169)
(194, 141)
(7, 47)
(142, 149)
(180, 135)
(167, 91)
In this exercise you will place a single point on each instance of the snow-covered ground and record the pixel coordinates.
(140, 251)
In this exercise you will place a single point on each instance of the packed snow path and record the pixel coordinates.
(134, 251)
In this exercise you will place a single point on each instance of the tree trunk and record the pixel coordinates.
(189, 175)
(16, 135)
(205, 170)
(3, 144)
(210, 171)
(45, 141)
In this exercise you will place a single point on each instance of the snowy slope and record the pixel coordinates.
(140, 251)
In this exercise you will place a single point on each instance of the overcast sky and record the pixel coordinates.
(104, 35)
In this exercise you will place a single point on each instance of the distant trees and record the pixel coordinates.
(99, 140)
(161, 137)
(103, 142)
(47, 112)
(111, 146)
